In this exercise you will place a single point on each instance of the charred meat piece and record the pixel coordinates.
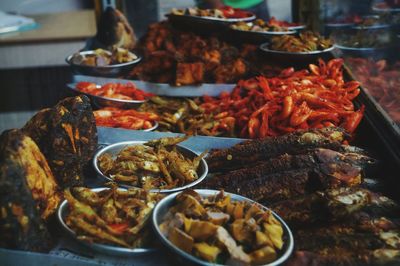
(326, 206)
(332, 205)
(243, 154)
(70, 139)
(28, 193)
(343, 167)
(189, 73)
(344, 257)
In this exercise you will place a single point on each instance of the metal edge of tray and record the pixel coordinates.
(162, 89)
(379, 120)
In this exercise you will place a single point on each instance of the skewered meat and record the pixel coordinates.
(67, 137)
(345, 167)
(28, 193)
(243, 154)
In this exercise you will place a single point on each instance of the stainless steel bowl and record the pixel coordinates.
(258, 37)
(100, 101)
(166, 203)
(102, 248)
(291, 57)
(114, 149)
(368, 52)
(115, 70)
(297, 28)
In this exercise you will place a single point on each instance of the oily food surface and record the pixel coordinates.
(225, 12)
(156, 164)
(101, 57)
(258, 107)
(125, 118)
(185, 58)
(307, 41)
(111, 216)
(219, 230)
(314, 98)
(117, 91)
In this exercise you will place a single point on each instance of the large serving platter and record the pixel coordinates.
(161, 89)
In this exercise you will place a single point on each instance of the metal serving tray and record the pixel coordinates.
(162, 89)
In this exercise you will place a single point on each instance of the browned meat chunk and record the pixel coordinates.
(28, 193)
(68, 139)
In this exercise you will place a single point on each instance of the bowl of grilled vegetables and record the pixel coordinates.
(110, 220)
(305, 48)
(101, 62)
(160, 165)
(210, 227)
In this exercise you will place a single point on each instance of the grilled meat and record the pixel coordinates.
(184, 58)
(332, 205)
(246, 153)
(343, 257)
(343, 167)
(67, 138)
(28, 193)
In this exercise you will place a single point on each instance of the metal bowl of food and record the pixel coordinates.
(147, 174)
(367, 52)
(297, 58)
(100, 101)
(103, 68)
(257, 37)
(164, 217)
(94, 241)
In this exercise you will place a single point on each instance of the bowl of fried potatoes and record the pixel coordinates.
(210, 227)
(161, 165)
(110, 220)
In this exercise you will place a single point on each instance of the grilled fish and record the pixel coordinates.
(246, 153)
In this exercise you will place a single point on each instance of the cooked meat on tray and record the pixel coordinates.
(67, 136)
(248, 152)
(28, 193)
(184, 58)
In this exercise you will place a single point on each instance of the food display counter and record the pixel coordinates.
(214, 139)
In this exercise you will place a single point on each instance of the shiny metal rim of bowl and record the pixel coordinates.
(162, 207)
(362, 49)
(230, 20)
(116, 147)
(289, 32)
(69, 58)
(108, 249)
(295, 28)
(264, 47)
(71, 87)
